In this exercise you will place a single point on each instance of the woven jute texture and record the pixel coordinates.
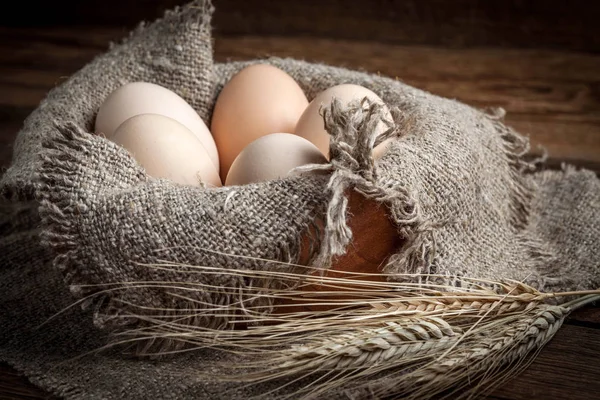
(77, 212)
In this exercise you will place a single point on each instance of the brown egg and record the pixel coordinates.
(375, 238)
(271, 157)
(147, 98)
(310, 125)
(167, 149)
(259, 100)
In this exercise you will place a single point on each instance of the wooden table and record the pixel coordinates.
(539, 61)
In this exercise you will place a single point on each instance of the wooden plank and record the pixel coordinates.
(459, 23)
(551, 96)
(589, 316)
(567, 368)
(568, 25)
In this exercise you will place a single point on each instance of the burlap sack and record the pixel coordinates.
(78, 211)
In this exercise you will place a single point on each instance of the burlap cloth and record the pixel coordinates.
(77, 210)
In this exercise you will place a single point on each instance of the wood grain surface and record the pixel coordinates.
(537, 59)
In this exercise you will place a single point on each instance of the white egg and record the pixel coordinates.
(271, 157)
(147, 98)
(167, 149)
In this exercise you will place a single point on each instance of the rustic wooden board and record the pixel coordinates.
(570, 25)
(551, 96)
(540, 63)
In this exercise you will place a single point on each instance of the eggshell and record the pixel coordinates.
(259, 100)
(167, 149)
(147, 98)
(381, 149)
(311, 126)
(271, 157)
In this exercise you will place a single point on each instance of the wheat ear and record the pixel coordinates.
(488, 352)
(505, 343)
(396, 338)
(368, 346)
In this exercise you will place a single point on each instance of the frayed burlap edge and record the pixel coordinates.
(60, 206)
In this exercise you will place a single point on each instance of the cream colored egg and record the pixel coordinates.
(147, 98)
(258, 100)
(311, 126)
(271, 157)
(167, 149)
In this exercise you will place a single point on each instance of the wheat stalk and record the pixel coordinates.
(494, 344)
(446, 302)
(409, 337)
(372, 314)
(500, 342)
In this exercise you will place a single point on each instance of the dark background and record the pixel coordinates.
(538, 59)
(571, 25)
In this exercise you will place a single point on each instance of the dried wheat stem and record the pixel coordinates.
(189, 323)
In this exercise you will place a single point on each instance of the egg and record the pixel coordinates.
(271, 157)
(311, 126)
(167, 149)
(147, 98)
(381, 149)
(257, 101)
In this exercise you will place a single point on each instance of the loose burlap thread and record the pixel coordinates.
(78, 211)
